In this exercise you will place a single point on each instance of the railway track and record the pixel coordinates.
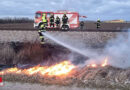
(70, 30)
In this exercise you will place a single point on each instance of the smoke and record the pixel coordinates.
(116, 50)
(79, 52)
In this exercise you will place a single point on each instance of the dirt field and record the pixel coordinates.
(93, 39)
(17, 25)
(88, 25)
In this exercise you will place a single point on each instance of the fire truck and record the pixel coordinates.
(73, 19)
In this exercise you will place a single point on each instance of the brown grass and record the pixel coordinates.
(94, 77)
(32, 53)
(7, 54)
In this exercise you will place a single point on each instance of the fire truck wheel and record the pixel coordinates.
(65, 27)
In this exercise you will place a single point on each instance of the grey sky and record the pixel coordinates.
(93, 9)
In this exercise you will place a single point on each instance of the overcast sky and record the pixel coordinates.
(93, 9)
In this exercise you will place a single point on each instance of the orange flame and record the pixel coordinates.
(105, 63)
(94, 65)
(63, 68)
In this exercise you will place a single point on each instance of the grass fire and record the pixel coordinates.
(60, 69)
(63, 68)
(104, 63)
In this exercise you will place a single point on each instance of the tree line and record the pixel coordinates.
(15, 20)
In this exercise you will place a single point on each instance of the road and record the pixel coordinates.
(27, 86)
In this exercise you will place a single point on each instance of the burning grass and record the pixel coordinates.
(53, 72)
(99, 77)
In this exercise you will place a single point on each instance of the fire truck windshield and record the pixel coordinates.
(38, 15)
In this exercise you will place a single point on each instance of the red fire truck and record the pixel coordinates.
(73, 18)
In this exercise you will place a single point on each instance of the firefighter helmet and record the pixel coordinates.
(52, 14)
(44, 14)
(98, 19)
(64, 14)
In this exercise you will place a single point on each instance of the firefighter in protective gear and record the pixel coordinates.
(98, 23)
(52, 19)
(44, 20)
(64, 19)
(42, 28)
(57, 21)
(81, 25)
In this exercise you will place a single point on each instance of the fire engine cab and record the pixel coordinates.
(73, 18)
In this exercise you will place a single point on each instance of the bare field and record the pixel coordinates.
(94, 39)
(17, 25)
(88, 25)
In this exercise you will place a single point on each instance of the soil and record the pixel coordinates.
(88, 25)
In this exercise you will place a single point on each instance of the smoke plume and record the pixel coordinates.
(116, 50)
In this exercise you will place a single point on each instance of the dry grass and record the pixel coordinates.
(7, 54)
(31, 53)
(107, 77)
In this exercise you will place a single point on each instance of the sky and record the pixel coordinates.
(93, 9)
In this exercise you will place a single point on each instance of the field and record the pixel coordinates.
(88, 25)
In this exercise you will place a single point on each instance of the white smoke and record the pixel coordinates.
(116, 50)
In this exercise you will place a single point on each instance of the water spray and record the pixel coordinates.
(64, 44)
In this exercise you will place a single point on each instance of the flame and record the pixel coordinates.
(105, 63)
(94, 65)
(63, 68)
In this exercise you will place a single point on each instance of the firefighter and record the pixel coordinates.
(98, 23)
(81, 25)
(52, 20)
(42, 28)
(64, 19)
(57, 21)
(44, 20)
